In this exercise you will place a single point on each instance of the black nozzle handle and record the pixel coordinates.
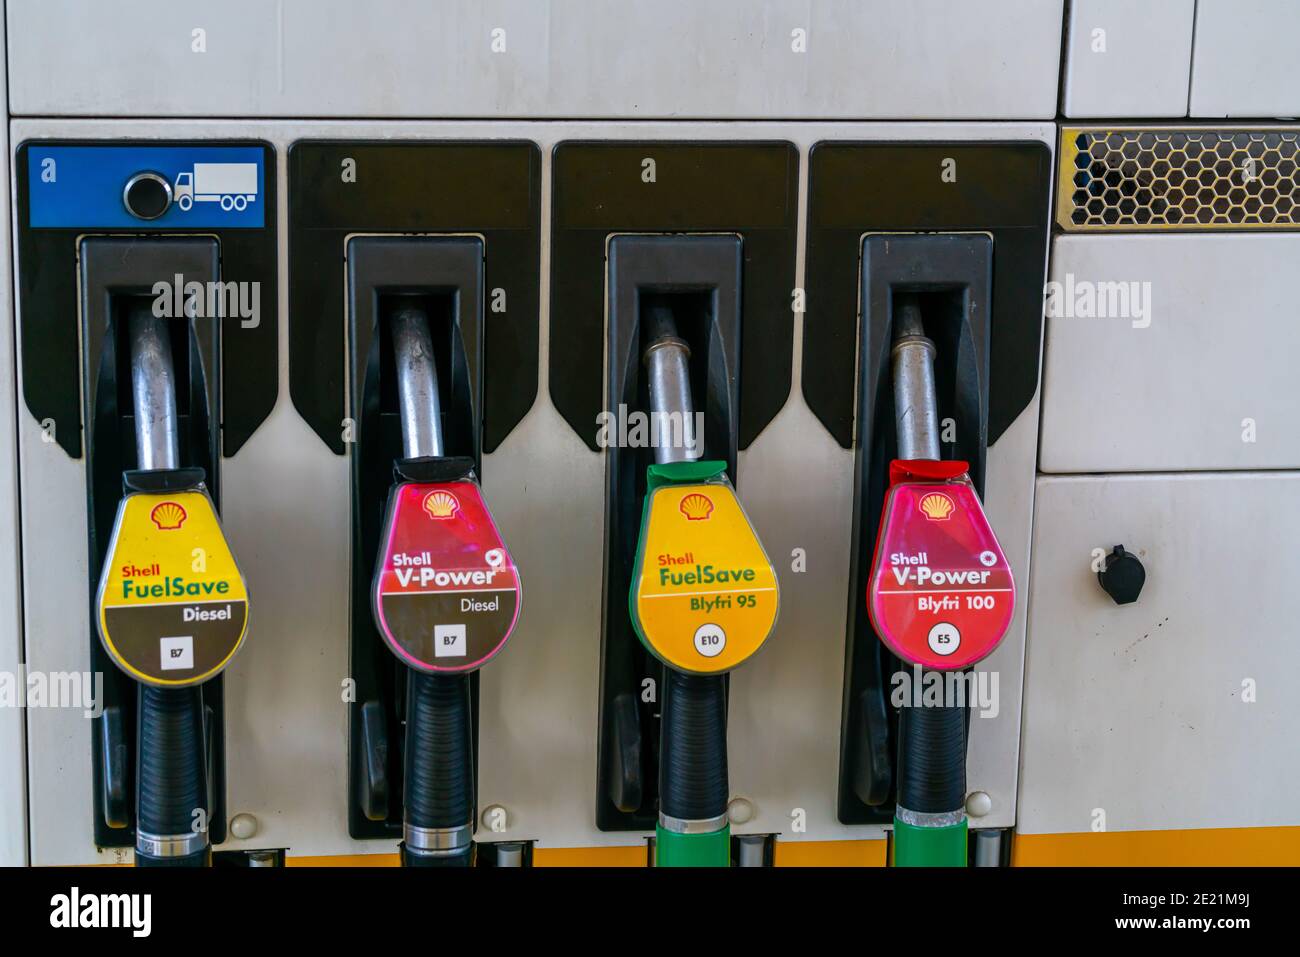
(693, 750)
(932, 760)
(172, 780)
(438, 828)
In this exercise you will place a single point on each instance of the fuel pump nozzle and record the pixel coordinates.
(172, 799)
(438, 795)
(930, 816)
(693, 796)
(703, 600)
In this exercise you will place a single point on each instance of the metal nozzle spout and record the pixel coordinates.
(153, 391)
(672, 412)
(916, 410)
(417, 383)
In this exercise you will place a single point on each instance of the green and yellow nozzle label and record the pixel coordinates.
(172, 604)
(704, 595)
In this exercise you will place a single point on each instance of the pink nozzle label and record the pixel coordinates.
(941, 593)
(447, 593)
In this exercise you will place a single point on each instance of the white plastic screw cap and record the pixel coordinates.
(243, 826)
(978, 804)
(740, 811)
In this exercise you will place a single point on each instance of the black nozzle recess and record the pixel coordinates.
(693, 747)
(660, 323)
(172, 783)
(439, 783)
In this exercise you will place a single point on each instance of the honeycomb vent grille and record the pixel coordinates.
(1162, 179)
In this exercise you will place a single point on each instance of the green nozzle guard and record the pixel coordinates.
(915, 846)
(682, 472)
(712, 849)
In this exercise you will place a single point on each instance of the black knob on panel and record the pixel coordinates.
(147, 195)
(1122, 576)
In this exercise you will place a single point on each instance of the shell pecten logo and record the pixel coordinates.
(168, 516)
(936, 506)
(441, 504)
(696, 507)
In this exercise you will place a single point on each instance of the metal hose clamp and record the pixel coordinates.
(930, 819)
(437, 840)
(679, 825)
(170, 845)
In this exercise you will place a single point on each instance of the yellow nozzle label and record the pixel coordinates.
(704, 593)
(172, 604)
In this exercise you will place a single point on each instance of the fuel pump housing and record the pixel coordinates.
(208, 273)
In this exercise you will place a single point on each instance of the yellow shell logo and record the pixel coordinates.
(168, 516)
(696, 507)
(936, 506)
(441, 504)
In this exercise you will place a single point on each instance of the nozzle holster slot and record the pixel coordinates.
(697, 277)
(118, 274)
(442, 277)
(950, 278)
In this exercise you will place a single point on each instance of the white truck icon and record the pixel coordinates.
(233, 185)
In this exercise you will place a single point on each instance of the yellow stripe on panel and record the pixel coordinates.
(830, 853)
(634, 856)
(1217, 847)
(345, 860)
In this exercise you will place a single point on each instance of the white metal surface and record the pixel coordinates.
(13, 774)
(1176, 711)
(1197, 372)
(1244, 59)
(1127, 59)
(285, 505)
(853, 59)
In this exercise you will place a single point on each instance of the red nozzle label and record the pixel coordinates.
(941, 594)
(446, 595)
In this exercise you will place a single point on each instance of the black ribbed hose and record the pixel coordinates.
(693, 747)
(439, 787)
(172, 782)
(932, 759)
